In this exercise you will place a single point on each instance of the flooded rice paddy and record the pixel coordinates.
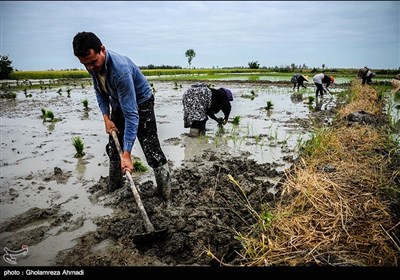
(43, 183)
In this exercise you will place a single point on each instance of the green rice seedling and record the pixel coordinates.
(236, 120)
(236, 140)
(273, 137)
(216, 141)
(249, 129)
(220, 131)
(49, 115)
(202, 138)
(138, 166)
(79, 146)
(241, 140)
(85, 103)
(262, 142)
(233, 138)
(311, 99)
(233, 129)
(59, 91)
(270, 105)
(286, 138)
(276, 134)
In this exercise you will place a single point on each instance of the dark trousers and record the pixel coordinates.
(200, 125)
(367, 80)
(320, 89)
(146, 134)
(298, 86)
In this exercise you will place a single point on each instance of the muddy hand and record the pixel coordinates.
(110, 127)
(126, 165)
(220, 121)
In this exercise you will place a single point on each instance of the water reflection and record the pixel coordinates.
(80, 167)
(85, 115)
(318, 104)
(296, 98)
(195, 146)
(51, 126)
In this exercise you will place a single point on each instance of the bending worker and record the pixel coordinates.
(126, 102)
(321, 79)
(201, 102)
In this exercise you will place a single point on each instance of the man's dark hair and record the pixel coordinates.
(84, 41)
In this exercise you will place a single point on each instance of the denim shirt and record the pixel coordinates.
(127, 88)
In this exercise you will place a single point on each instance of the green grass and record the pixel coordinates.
(55, 74)
(191, 74)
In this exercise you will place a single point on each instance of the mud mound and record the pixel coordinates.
(206, 210)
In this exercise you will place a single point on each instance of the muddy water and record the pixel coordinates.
(38, 167)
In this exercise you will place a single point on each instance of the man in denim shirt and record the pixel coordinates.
(126, 101)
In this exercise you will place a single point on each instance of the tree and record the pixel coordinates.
(5, 67)
(190, 54)
(254, 65)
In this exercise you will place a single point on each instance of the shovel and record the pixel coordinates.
(151, 233)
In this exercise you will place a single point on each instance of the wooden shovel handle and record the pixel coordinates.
(149, 227)
(116, 141)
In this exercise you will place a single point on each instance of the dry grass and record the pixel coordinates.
(335, 207)
(395, 86)
(364, 98)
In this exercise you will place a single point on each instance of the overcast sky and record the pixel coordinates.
(38, 35)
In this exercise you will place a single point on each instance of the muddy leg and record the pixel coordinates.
(198, 128)
(163, 180)
(115, 174)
